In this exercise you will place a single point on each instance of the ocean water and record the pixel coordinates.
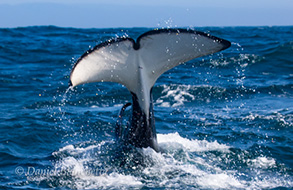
(224, 121)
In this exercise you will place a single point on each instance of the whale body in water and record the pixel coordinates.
(137, 65)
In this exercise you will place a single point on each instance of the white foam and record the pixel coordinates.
(86, 177)
(175, 95)
(112, 181)
(71, 150)
(72, 165)
(216, 181)
(176, 141)
(262, 162)
(182, 164)
(171, 172)
(271, 115)
(179, 95)
(269, 183)
(106, 107)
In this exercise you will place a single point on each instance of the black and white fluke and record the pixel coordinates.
(137, 65)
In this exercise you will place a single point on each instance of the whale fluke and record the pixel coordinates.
(138, 64)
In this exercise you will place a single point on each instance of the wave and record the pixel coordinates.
(282, 50)
(174, 95)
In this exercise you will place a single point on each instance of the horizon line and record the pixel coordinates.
(163, 27)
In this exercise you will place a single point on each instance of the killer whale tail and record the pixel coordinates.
(138, 64)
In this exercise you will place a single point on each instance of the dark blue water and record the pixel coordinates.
(223, 121)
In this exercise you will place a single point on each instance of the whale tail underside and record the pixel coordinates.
(138, 64)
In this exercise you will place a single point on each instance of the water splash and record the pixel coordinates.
(64, 97)
(179, 95)
(166, 23)
(175, 95)
(182, 163)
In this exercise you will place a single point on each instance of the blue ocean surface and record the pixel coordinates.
(224, 121)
